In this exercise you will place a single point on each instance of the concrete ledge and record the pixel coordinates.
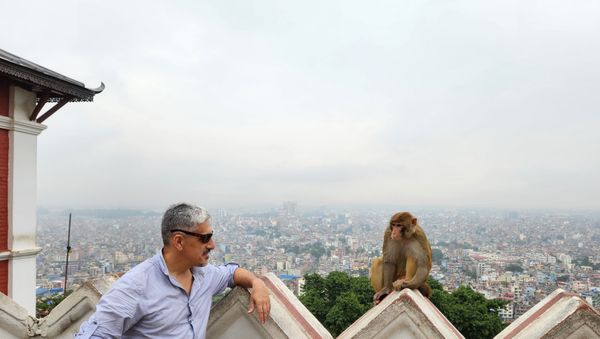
(403, 314)
(66, 318)
(15, 322)
(62, 322)
(560, 315)
(289, 318)
(291, 306)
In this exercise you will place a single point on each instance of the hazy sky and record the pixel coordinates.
(250, 103)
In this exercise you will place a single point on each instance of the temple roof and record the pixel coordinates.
(44, 81)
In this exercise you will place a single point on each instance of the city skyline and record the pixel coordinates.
(468, 104)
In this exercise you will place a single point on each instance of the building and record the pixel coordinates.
(25, 89)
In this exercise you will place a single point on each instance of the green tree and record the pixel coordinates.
(337, 300)
(343, 313)
(514, 268)
(336, 283)
(435, 285)
(315, 303)
(314, 282)
(442, 244)
(471, 273)
(361, 286)
(437, 255)
(469, 311)
(316, 249)
(44, 305)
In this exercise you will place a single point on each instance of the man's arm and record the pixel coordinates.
(115, 313)
(259, 298)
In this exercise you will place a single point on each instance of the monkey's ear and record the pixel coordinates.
(414, 221)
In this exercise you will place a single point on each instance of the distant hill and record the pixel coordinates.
(112, 213)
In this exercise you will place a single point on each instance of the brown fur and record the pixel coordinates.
(406, 258)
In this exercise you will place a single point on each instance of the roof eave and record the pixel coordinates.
(40, 83)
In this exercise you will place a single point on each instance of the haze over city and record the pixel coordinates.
(244, 104)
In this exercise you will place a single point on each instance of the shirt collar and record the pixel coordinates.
(162, 264)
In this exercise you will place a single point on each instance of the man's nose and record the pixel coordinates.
(211, 243)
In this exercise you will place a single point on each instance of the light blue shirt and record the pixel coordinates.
(147, 302)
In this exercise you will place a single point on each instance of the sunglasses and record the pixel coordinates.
(204, 238)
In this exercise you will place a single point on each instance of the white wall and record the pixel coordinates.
(22, 197)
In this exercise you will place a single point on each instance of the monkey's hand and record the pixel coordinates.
(399, 284)
(378, 297)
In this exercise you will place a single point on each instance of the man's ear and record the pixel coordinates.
(177, 241)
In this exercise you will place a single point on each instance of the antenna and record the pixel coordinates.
(68, 250)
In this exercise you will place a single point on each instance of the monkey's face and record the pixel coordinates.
(402, 228)
(396, 231)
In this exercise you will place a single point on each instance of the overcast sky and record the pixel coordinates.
(251, 103)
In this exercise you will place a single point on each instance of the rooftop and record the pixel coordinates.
(48, 85)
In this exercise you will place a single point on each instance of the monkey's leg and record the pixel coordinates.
(408, 272)
(416, 273)
(389, 273)
(389, 269)
(376, 274)
(411, 268)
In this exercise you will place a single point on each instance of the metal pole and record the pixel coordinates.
(68, 250)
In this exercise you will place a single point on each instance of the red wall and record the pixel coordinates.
(3, 189)
(4, 277)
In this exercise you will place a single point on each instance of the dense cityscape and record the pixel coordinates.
(519, 256)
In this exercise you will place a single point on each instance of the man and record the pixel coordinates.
(170, 294)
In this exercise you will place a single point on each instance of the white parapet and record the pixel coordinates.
(403, 314)
(560, 315)
(62, 322)
(289, 318)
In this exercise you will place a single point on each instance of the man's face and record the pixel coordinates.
(195, 249)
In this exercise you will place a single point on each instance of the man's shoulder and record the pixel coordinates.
(139, 275)
(211, 271)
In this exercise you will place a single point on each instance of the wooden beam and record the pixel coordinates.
(43, 100)
(54, 108)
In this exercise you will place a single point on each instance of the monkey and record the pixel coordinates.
(405, 261)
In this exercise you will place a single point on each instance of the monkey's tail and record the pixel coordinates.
(425, 290)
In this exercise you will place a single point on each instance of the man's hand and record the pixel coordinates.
(259, 300)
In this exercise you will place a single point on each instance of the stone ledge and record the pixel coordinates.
(403, 314)
(289, 318)
(62, 322)
(560, 315)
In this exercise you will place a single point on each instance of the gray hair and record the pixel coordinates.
(182, 216)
